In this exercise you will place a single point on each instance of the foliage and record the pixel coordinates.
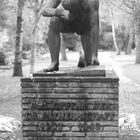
(18, 40)
(10, 129)
(106, 40)
(2, 58)
(125, 13)
(3, 15)
(8, 23)
(122, 37)
(70, 41)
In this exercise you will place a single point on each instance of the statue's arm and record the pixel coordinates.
(53, 3)
(50, 8)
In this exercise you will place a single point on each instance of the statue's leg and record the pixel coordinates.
(85, 40)
(90, 39)
(57, 26)
(90, 49)
(54, 43)
(94, 31)
(81, 62)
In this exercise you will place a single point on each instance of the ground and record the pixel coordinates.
(125, 67)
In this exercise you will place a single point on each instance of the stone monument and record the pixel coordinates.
(71, 105)
(79, 104)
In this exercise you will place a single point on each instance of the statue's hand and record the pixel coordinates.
(62, 13)
(48, 12)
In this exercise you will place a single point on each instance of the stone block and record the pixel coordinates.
(71, 105)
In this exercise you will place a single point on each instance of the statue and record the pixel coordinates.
(73, 16)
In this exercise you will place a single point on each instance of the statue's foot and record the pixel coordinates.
(52, 67)
(95, 61)
(81, 63)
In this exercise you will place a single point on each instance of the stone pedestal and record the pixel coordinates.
(70, 105)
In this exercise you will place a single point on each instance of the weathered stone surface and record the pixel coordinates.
(70, 90)
(67, 106)
(110, 76)
(42, 104)
(70, 96)
(70, 115)
(44, 123)
(71, 85)
(72, 138)
(36, 134)
(93, 71)
(64, 79)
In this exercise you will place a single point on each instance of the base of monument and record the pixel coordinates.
(71, 105)
(92, 71)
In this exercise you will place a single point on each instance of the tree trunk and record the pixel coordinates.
(131, 35)
(63, 49)
(113, 32)
(37, 10)
(33, 51)
(126, 42)
(137, 33)
(137, 61)
(18, 43)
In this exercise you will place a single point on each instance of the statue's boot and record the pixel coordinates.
(81, 62)
(95, 61)
(52, 67)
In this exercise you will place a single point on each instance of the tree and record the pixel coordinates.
(3, 16)
(131, 38)
(36, 6)
(111, 12)
(11, 23)
(63, 49)
(137, 34)
(18, 43)
(128, 6)
(132, 8)
(113, 31)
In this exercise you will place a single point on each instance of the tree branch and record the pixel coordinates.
(42, 1)
(127, 4)
(123, 9)
(32, 5)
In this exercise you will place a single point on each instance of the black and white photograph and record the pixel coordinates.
(69, 69)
